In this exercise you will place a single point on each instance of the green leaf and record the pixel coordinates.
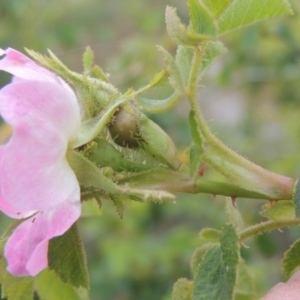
(217, 7)
(49, 286)
(244, 289)
(296, 198)
(88, 59)
(154, 105)
(179, 32)
(230, 255)
(281, 211)
(233, 215)
(234, 14)
(198, 256)
(184, 57)
(291, 260)
(210, 234)
(212, 52)
(182, 289)
(90, 128)
(13, 288)
(201, 19)
(175, 78)
(216, 276)
(67, 258)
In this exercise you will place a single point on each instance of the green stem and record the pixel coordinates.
(194, 73)
(225, 189)
(233, 166)
(141, 90)
(265, 227)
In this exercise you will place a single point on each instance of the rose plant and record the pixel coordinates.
(77, 138)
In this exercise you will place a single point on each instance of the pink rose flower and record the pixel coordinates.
(36, 181)
(285, 291)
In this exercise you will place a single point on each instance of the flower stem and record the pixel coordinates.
(265, 227)
(233, 166)
(227, 189)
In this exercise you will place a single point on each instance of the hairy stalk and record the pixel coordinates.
(265, 227)
(233, 166)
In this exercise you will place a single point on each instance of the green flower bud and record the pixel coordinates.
(124, 129)
(156, 142)
(131, 128)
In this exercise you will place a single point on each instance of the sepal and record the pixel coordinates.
(88, 59)
(280, 211)
(156, 105)
(92, 179)
(91, 128)
(233, 215)
(179, 33)
(183, 289)
(93, 93)
(175, 77)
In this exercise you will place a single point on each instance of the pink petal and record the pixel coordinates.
(21, 66)
(14, 212)
(34, 171)
(27, 248)
(6, 207)
(285, 291)
(33, 103)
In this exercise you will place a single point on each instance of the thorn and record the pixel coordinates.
(233, 201)
(202, 170)
(272, 202)
(214, 198)
(245, 245)
(280, 230)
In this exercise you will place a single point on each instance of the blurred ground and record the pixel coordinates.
(250, 97)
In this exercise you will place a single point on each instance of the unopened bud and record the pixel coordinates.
(156, 142)
(124, 129)
(131, 128)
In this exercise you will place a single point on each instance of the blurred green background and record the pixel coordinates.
(250, 97)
